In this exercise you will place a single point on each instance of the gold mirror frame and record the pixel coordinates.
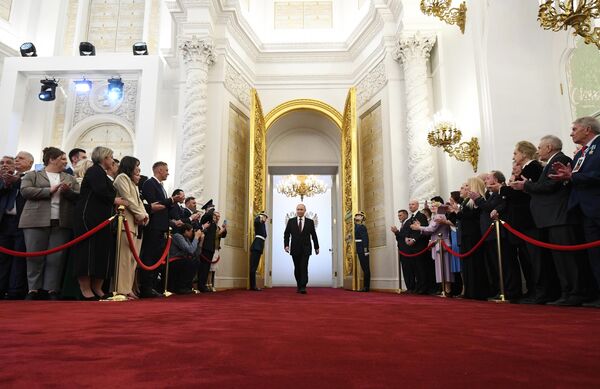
(259, 125)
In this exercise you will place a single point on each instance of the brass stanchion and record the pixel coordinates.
(116, 296)
(442, 263)
(167, 293)
(502, 298)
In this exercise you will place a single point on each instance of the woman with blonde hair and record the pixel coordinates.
(473, 267)
(80, 168)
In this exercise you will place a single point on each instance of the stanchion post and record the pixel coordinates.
(442, 264)
(120, 217)
(167, 293)
(500, 272)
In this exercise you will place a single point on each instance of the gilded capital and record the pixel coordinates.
(197, 51)
(414, 46)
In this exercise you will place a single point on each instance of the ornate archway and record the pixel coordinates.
(346, 122)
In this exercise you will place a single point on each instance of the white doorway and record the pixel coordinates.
(319, 208)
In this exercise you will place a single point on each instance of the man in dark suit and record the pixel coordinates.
(257, 247)
(361, 241)
(415, 242)
(13, 270)
(549, 199)
(301, 230)
(75, 156)
(407, 264)
(584, 175)
(154, 241)
(191, 213)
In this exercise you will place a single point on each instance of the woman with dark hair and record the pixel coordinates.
(97, 201)
(126, 184)
(47, 221)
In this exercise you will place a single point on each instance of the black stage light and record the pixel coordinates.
(140, 48)
(28, 50)
(48, 90)
(115, 89)
(86, 49)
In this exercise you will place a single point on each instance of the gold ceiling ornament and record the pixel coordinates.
(559, 15)
(301, 185)
(445, 135)
(441, 9)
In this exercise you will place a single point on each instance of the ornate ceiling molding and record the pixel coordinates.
(237, 85)
(371, 84)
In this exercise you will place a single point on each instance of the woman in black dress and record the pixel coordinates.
(97, 200)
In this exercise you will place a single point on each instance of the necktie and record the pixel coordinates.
(583, 149)
(300, 224)
(12, 197)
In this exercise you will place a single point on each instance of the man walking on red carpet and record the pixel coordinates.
(301, 229)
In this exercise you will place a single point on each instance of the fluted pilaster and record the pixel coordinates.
(413, 52)
(197, 55)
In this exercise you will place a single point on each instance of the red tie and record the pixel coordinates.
(300, 224)
(583, 150)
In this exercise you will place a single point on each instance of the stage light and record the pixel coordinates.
(83, 86)
(86, 49)
(115, 89)
(48, 90)
(140, 48)
(28, 50)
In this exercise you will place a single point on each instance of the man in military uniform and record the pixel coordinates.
(258, 245)
(361, 239)
(208, 246)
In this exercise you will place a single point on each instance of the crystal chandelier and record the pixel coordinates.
(301, 185)
(441, 9)
(559, 15)
(445, 135)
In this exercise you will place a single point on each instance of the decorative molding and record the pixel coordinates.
(237, 85)
(96, 102)
(371, 84)
(414, 46)
(197, 51)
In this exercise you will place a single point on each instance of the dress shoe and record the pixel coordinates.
(148, 294)
(592, 304)
(81, 297)
(53, 296)
(205, 290)
(302, 291)
(364, 290)
(572, 301)
(32, 296)
(184, 291)
(256, 289)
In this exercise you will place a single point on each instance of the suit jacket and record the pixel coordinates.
(35, 188)
(300, 243)
(494, 201)
(586, 182)
(260, 229)
(130, 192)
(518, 211)
(186, 214)
(7, 193)
(154, 192)
(550, 198)
(421, 240)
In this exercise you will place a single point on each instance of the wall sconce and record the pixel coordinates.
(559, 15)
(445, 135)
(441, 9)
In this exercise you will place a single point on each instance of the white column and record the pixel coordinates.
(198, 55)
(413, 52)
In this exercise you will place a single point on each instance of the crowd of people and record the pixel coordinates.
(45, 209)
(549, 197)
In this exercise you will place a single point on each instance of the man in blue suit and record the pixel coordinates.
(584, 174)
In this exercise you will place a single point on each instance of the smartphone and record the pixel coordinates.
(225, 222)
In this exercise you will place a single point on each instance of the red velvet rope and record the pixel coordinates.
(59, 248)
(551, 246)
(419, 253)
(161, 260)
(205, 259)
(470, 252)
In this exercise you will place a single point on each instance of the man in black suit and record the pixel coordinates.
(584, 175)
(75, 156)
(191, 213)
(415, 242)
(154, 241)
(407, 264)
(209, 227)
(549, 199)
(301, 230)
(257, 248)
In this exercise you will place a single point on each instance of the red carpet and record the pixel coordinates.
(277, 338)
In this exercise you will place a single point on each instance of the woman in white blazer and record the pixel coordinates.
(136, 216)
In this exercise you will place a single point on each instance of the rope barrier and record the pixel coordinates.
(551, 246)
(419, 253)
(473, 249)
(59, 248)
(206, 259)
(161, 260)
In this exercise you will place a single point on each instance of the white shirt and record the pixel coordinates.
(54, 179)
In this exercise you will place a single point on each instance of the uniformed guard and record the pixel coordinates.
(258, 245)
(361, 239)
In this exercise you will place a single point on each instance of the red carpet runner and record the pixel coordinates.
(277, 338)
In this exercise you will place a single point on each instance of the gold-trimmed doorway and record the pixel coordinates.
(346, 122)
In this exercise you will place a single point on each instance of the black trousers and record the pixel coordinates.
(568, 264)
(366, 268)
(204, 269)
(181, 274)
(510, 268)
(591, 228)
(13, 270)
(301, 270)
(254, 261)
(153, 246)
(425, 273)
(545, 281)
(408, 271)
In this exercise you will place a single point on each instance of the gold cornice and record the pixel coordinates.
(299, 104)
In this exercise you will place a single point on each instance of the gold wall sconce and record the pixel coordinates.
(559, 15)
(443, 11)
(447, 136)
